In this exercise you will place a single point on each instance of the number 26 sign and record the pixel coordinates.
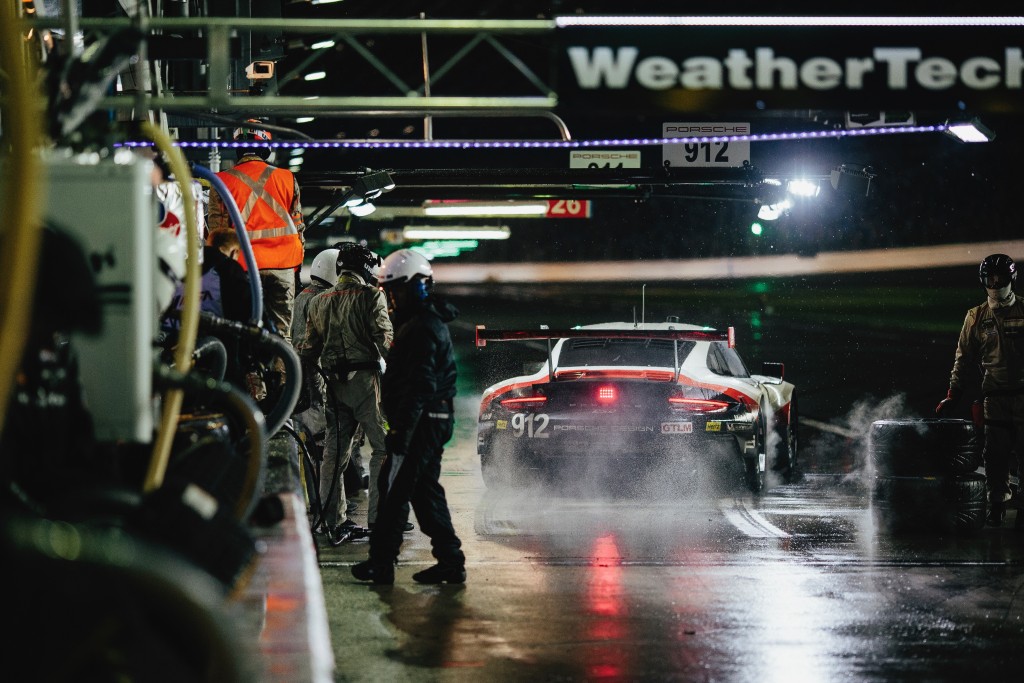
(704, 151)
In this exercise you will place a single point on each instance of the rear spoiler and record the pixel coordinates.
(483, 335)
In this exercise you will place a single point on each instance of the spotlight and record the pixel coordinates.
(362, 209)
(853, 178)
(970, 131)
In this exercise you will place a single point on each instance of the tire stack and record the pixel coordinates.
(924, 476)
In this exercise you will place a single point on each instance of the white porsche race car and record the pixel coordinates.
(631, 399)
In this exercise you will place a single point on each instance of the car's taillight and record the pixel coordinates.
(698, 405)
(522, 401)
(607, 394)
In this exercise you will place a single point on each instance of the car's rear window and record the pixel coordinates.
(656, 353)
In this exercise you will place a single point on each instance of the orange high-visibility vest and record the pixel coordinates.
(264, 194)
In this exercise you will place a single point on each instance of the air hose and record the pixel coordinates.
(189, 311)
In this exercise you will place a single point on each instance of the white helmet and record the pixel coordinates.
(325, 267)
(403, 265)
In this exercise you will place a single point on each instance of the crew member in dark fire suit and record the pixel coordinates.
(348, 330)
(992, 338)
(418, 389)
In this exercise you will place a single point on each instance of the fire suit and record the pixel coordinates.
(348, 331)
(310, 417)
(993, 339)
(419, 386)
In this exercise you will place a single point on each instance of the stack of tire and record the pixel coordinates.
(924, 478)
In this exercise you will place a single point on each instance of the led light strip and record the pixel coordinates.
(552, 144)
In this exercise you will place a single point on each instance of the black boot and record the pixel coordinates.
(996, 513)
(441, 573)
(381, 574)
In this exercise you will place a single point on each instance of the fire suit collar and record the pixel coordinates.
(1000, 298)
(350, 276)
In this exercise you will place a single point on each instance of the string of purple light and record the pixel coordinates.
(549, 144)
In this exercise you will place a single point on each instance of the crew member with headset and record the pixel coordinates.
(419, 387)
(992, 339)
(349, 332)
(268, 201)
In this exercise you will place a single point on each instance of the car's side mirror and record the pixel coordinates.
(773, 369)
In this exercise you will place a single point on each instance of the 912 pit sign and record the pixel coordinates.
(707, 154)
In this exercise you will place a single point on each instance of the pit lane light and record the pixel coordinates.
(456, 232)
(771, 212)
(359, 198)
(486, 209)
(970, 131)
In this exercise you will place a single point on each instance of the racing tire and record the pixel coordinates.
(967, 503)
(787, 446)
(923, 447)
(754, 464)
(930, 504)
(908, 505)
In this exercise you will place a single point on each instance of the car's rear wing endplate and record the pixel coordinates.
(483, 335)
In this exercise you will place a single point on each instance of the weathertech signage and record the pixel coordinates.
(707, 68)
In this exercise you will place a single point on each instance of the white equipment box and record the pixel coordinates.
(108, 207)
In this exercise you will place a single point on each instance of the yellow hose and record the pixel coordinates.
(189, 314)
(22, 202)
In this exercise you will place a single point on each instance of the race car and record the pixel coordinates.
(665, 402)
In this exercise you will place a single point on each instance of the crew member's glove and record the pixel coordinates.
(951, 401)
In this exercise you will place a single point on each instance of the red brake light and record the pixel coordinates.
(698, 405)
(607, 394)
(521, 401)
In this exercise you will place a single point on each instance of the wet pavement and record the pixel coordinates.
(798, 584)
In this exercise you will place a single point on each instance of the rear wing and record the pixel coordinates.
(483, 335)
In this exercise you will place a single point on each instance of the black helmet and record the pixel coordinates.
(997, 271)
(358, 259)
(252, 134)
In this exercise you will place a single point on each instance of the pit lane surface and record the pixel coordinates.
(798, 584)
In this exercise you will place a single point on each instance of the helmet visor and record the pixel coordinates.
(996, 280)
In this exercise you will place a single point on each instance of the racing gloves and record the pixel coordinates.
(951, 401)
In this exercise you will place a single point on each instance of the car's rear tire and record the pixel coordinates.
(787, 445)
(754, 463)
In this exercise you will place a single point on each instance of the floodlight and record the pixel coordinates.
(970, 131)
(771, 212)
(803, 188)
(362, 209)
(853, 178)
